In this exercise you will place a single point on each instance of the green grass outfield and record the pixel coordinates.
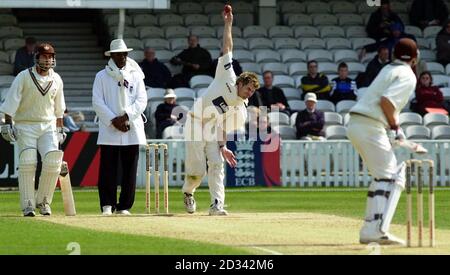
(20, 235)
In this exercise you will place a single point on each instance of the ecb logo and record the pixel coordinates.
(373, 3)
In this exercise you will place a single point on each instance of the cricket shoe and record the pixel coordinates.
(44, 209)
(29, 210)
(123, 212)
(189, 203)
(370, 233)
(216, 209)
(107, 210)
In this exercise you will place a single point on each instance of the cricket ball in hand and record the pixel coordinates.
(227, 9)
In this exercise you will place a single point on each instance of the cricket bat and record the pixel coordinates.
(411, 146)
(66, 190)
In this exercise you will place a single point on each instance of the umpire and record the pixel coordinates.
(119, 98)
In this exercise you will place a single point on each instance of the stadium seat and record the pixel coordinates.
(446, 93)
(267, 56)
(317, 7)
(355, 67)
(6, 68)
(297, 105)
(150, 32)
(157, 44)
(327, 68)
(215, 20)
(291, 93)
(349, 19)
(359, 43)
(137, 56)
(447, 69)
(173, 132)
(312, 43)
(155, 94)
(306, 31)
(112, 20)
(200, 81)
(346, 119)
(7, 20)
(186, 103)
(441, 80)
(344, 106)
(336, 132)
(240, 43)
(338, 44)
(331, 31)
(280, 31)
(196, 20)
(176, 32)
(236, 31)
(325, 106)
(178, 44)
(164, 56)
(243, 56)
(285, 43)
(260, 43)
(286, 132)
(427, 55)
(251, 67)
(190, 7)
(128, 32)
(298, 69)
(201, 92)
(356, 32)
(203, 31)
(423, 43)
(140, 20)
(320, 56)
(283, 81)
(292, 7)
(324, 19)
(432, 43)
(170, 20)
(276, 68)
(417, 132)
(345, 56)
(332, 118)
(4, 57)
(184, 94)
(210, 43)
(435, 68)
(416, 31)
(433, 119)
(300, 20)
(242, 7)
(254, 31)
(212, 7)
(343, 7)
(409, 118)
(441, 132)
(134, 43)
(290, 56)
(278, 118)
(364, 8)
(293, 118)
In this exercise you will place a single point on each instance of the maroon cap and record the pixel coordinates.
(45, 48)
(405, 49)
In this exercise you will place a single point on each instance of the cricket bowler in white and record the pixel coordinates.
(373, 129)
(35, 103)
(221, 108)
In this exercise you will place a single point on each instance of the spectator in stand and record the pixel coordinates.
(380, 21)
(428, 96)
(425, 13)
(195, 60)
(443, 44)
(269, 96)
(343, 87)
(157, 75)
(236, 66)
(25, 56)
(375, 66)
(69, 122)
(165, 115)
(397, 33)
(315, 82)
(310, 122)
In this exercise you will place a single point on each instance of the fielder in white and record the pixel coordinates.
(220, 110)
(373, 129)
(35, 102)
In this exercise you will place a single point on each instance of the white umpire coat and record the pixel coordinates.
(105, 100)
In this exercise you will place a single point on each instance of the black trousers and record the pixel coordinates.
(118, 165)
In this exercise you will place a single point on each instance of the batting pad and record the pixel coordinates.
(51, 167)
(27, 170)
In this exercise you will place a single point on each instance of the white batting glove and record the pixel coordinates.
(60, 135)
(395, 135)
(8, 132)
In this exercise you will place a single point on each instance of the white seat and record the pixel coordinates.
(190, 7)
(306, 31)
(344, 106)
(423, 43)
(254, 31)
(291, 93)
(359, 43)
(240, 43)
(416, 31)
(317, 7)
(113, 20)
(417, 132)
(150, 32)
(325, 106)
(6, 80)
(276, 68)
(215, 20)
(324, 19)
(176, 32)
(170, 20)
(292, 7)
(312, 43)
(251, 67)
(328, 67)
(320, 56)
(343, 7)
(338, 43)
(297, 105)
(431, 32)
(441, 132)
(364, 8)
(134, 43)
(285, 43)
(4, 57)
(331, 31)
(293, 118)
(128, 32)
(186, 103)
(296, 69)
(212, 7)
(346, 56)
(203, 31)
(8, 20)
(155, 94)
(447, 69)
(409, 118)
(283, 81)
(267, 56)
(349, 19)
(242, 7)
(173, 132)
(157, 43)
(278, 118)
(435, 68)
(184, 94)
(6, 68)
(210, 43)
(332, 118)
(144, 20)
(446, 93)
(355, 67)
(215, 54)
(441, 80)
(235, 31)
(200, 81)
(433, 119)
(164, 56)
(300, 20)
(346, 119)
(286, 132)
(291, 55)
(432, 43)
(178, 44)
(196, 20)
(336, 132)
(243, 56)
(260, 43)
(13, 44)
(280, 31)
(356, 31)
